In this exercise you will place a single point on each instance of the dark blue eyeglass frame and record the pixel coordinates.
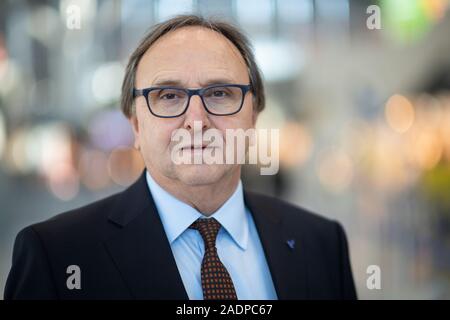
(193, 92)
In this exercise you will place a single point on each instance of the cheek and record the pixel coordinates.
(241, 120)
(157, 133)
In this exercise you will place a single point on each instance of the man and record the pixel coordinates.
(185, 231)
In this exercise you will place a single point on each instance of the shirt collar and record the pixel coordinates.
(177, 216)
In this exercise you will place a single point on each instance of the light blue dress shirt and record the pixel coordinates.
(238, 244)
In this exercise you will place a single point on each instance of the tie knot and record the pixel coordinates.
(208, 228)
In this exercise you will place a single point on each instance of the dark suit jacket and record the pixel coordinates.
(122, 250)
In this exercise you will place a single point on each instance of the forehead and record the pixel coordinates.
(192, 52)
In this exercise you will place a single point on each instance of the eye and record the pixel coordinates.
(219, 93)
(168, 96)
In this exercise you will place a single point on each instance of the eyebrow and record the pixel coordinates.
(177, 83)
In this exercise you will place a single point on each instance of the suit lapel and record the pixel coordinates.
(285, 254)
(140, 249)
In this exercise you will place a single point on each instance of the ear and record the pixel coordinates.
(135, 127)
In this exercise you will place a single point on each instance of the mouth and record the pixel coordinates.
(203, 147)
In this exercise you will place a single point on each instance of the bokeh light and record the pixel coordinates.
(107, 82)
(399, 113)
(335, 169)
(124, 165)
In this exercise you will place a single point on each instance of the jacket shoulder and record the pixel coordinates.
(85, 220)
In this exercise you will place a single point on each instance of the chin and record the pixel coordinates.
(201, 174)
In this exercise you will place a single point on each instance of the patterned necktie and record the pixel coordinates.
(216, 281)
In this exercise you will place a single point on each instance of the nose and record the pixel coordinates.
(196, 112)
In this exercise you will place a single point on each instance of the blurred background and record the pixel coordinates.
(363, 113)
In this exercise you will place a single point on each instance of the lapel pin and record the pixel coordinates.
(291, 243)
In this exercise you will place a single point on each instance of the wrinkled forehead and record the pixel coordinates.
(192, 50)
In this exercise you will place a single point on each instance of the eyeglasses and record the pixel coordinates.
(171, 102)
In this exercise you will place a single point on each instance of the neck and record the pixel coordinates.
(206, 198)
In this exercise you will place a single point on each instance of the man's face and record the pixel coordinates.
(194, 57)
